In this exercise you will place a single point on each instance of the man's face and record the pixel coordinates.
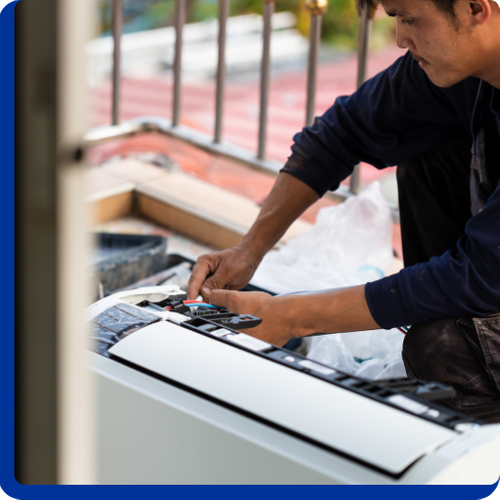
(446, 48)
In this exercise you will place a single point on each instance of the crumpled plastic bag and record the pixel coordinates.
(350, 244)
(373, 355)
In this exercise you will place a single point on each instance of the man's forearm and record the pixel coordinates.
(288, 199)
(342, 310)
(288, 316)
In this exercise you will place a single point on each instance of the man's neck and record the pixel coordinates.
(491, 72)
(493, 75)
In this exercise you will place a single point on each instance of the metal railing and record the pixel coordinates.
(117, 29)
(213, 144)
(367, 14)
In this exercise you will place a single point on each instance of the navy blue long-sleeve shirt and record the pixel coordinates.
(391, 119)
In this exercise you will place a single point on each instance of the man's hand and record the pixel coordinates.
(288, 316)
(276, 327)
(229, 269)
(232, 269)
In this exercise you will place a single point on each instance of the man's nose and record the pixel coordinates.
(403, 41)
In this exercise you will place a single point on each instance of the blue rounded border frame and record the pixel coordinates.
(7, 478)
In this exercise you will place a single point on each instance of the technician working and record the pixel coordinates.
(423, 114)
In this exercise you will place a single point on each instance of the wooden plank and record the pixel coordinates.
(111, 207)
(190, 206)
(211, 202)
(189, 224)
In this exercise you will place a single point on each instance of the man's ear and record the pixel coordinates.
(480, 11)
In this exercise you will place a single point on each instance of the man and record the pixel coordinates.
(423, 114)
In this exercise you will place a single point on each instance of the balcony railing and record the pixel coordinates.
(213, 144)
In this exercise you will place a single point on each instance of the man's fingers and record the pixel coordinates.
(212, 283)
(200, 272)
(221, 270)
(224, 298)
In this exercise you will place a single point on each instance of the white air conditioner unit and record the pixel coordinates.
(185, 398)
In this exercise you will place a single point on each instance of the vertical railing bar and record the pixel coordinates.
(180, 17)
(221, 69)
(117, 30)
(354, 180)
(265, 76)
(363, 43)
(317, 8)
(312, 67)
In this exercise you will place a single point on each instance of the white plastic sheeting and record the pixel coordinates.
(350, 244)
(380, 351)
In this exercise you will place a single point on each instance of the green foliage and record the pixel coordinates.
(339, 28)
(160, 13)
(239, 7)
(341, 23)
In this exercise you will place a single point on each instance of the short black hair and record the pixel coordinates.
(447, 6)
